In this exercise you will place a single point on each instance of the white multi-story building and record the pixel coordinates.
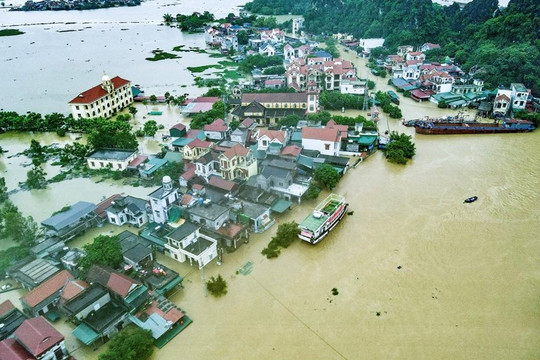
(186, 242)
(162, 199)
(519, 96)
(102, 100)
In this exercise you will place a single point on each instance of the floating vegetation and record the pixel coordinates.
(199, 69)
(11, 32)
(335, 291)
(181, 48)
(161, 55)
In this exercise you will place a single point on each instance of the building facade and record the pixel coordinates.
(103, 100)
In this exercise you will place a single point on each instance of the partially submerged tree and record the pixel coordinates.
(326, 176)
(104, 250)
(217, 286)
(132, 343)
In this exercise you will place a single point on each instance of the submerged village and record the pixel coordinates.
(269, 136)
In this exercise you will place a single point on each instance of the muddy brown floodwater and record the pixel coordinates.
(419, 274)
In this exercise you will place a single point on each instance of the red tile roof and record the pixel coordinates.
(221, 183)
(178, 127)
(138, 161)
(173, 315)
(105, 204)
(37, 335)
(275, 97)
(48, 288)
(247, 122)
(342, 128)
(230, 230)
(97, 92)
(291, 150)
(192, 134)
(198, 143)
(197, 187)
(10, 349)
(216, 125)
(6, 307)
(324, 134)
(121, 284)
(188, 175)
(73, 288)
(186, 199)
(272, 134)
(502, 97)
(204, 99)
(236, 150)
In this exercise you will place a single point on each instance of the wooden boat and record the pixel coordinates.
(471, 199)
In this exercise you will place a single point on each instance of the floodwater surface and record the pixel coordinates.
(418, 273)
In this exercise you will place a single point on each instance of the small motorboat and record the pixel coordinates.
(471, 199)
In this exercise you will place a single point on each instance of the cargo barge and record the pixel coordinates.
(453, 128)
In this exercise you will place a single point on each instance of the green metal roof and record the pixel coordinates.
(366, 140)
(155, 164)
(176, 281)
(84, 333)
(457, 103)
(134, 295)
(181, 141)
(281, 205)
(305, 160)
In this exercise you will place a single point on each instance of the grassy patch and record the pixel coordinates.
(232, 74)
(181, 48)
(227, 63)
(10, 32)
(199, 69)
(161, 55)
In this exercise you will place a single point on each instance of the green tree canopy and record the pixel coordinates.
(132, 343)
(400, 148)
(104, 250)
(326, 176)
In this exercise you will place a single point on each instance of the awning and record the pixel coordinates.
(52, 315)
(84, 333)
(176, 281)
(281, 205)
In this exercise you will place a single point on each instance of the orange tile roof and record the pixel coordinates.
(97, 92)
(48, 288)
(73, 288)
(291, 150)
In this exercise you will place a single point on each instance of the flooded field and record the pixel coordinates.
(419, 274)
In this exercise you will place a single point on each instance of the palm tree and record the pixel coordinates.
(168, 18)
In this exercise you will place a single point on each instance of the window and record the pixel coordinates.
(265, 143)
(119, 166)
(92, 163)
(326, 146)
(101, 164)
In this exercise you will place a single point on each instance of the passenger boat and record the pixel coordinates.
(472, 127)
(471, 199)
(324, 218)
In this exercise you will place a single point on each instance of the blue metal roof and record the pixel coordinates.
(68, 217)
